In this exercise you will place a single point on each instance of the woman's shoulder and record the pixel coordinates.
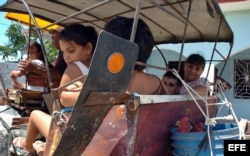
(146, 76)
(145, 83)
(77, 66)
(155, 82)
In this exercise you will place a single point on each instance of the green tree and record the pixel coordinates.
(50, 51)
(16, 41)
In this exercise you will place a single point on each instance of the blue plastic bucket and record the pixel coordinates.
(187, 144)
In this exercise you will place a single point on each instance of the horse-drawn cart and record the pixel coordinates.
(108, 120)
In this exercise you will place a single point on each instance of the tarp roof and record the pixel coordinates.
(166, 18)
(25, 19)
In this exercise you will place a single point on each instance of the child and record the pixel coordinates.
(193, 68)
(35, 55)
(77, 43)
(171, 83)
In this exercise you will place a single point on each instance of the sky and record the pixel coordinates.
(4, 24)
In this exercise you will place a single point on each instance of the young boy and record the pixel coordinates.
(171, 83)
(193, 68)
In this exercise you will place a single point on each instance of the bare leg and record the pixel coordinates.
(39, 123)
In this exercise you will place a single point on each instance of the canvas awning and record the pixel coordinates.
(166, 18)
(25, 19)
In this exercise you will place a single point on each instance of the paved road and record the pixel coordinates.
(5, 69)
(6, 112)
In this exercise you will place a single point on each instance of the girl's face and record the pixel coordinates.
(192, 72)
(74, 52)
(33, 53)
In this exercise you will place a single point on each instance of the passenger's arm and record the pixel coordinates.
(69, 95)
(201, 90)
(27, 65)
(15, 74)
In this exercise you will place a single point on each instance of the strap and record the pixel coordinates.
(66, 109)
(158, 90)
(82, 67)
(164, 88)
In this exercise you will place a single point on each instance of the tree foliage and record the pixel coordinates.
(17, 40)
(50, 51)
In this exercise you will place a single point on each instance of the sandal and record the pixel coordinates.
(17, 142)
(18, 149)
(39, 146)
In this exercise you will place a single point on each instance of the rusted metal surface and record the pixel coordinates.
(144, 131)
(107, 98)
(117, 133)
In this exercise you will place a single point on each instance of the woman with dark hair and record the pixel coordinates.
(35, 81)
(77, 43)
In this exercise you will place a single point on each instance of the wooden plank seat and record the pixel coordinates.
(20, 120)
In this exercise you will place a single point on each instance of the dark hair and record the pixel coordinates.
(38, 47)
(122, 27)
(39, 50)
(80, 34)
(196, 59)
(170, 74)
